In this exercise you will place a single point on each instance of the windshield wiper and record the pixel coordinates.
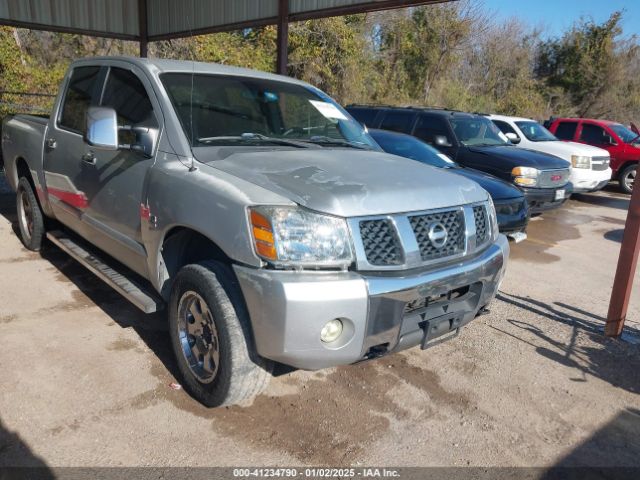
(253, 138)
(324, 140)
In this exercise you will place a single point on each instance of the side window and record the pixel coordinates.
(365, 116)
(566, 130)
(398, 121)
(504, 127)
(430, 127)
(593, 134)
(77, 98)
(125, 93)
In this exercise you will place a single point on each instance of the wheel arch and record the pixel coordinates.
(180, 246)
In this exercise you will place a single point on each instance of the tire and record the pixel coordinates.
(30, 217)
(229, 372)
(627, 177)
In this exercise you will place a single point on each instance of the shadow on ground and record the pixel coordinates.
(17, 460)
(612, 452)
(611, 360)
(619, 201)
(152, 329)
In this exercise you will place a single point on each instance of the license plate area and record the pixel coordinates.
(440, 329)
(559, 194)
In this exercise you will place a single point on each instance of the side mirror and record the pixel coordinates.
(102, 128)
(513, 138)
(608, 140)
(146, 139)
(441, 141)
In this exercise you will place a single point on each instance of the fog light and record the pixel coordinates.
(331, 331)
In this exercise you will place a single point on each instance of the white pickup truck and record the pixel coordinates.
(590, 170)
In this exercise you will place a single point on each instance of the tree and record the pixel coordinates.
(587, 65)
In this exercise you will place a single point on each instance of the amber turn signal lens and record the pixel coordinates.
(263, 236)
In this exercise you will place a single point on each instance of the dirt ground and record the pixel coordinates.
(84, 376)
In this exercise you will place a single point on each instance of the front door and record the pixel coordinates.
(109, 186)
(115, 182)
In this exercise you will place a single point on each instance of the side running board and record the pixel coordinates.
(121, 279)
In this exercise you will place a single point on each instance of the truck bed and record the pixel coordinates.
(23, 137)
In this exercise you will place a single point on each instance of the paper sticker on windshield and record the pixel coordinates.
(328, 110)
(445, 158)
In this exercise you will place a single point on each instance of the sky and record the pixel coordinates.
(558, 15)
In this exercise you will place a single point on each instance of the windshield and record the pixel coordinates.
(626, 135)
(477, 131)
(410, 147)
(228, 110)
(536, 132)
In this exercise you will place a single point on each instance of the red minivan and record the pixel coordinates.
(622, 143)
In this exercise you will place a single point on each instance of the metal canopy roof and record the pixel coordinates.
(149, 20)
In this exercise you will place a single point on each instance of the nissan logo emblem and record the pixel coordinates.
(437, 234)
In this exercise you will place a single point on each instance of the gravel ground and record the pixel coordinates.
(85, 377)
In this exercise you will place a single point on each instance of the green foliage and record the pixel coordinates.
(588, 64)
(451, 55)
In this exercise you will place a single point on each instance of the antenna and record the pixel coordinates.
(193, 72)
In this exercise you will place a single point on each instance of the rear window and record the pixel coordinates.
(398, 121)
(78, 97)
(566, 130)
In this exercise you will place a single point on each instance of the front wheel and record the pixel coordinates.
(30, 217)
(628, 177)
(211, 338)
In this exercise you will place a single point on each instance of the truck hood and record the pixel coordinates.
(521, 157)
(498, 189)
(350, 183)
(564, 150)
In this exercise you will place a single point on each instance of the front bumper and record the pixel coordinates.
(543, 199)
(512, 215)
(586, 180)
(381, 313)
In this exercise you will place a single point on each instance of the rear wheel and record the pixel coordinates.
(30, 217)
(210, 335)
(628, 177)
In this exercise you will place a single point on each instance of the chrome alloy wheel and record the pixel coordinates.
(198, 337)
(25, 214)
(629, 179)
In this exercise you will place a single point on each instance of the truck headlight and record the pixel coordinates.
(525, 176)
(297, 237)
(580, 161)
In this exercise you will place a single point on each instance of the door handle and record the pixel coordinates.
(51, 143)
(89, 158)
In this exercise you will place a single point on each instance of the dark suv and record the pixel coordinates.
(474, 141)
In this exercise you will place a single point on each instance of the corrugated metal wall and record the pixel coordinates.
(302, 6)
(164, 17)
(107, 16)
(170, 16)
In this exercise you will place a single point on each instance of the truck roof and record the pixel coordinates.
(186, 66)
(509, 117)
(577, 119)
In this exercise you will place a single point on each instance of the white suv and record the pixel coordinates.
(591, 170)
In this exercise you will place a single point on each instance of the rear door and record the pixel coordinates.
(398, 121)
(565, 130)
(428, 127)
(65, 146)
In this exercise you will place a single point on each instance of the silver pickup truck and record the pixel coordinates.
(257, 211)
